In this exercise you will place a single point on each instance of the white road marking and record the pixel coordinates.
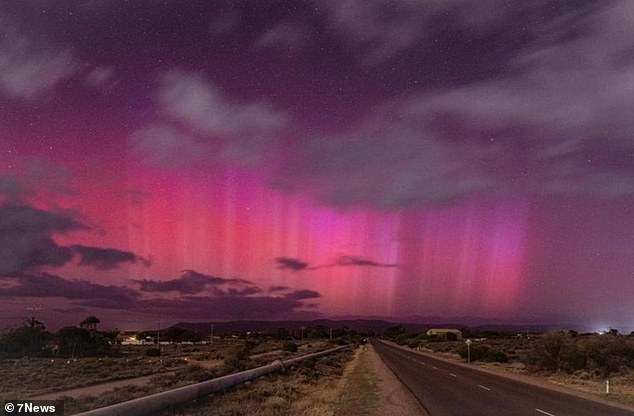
(434, 367)
(544, 412)
(452, 375)
(484, 387)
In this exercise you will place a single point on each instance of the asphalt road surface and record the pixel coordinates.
(446, 389)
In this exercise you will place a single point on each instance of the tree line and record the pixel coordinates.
(32, 339)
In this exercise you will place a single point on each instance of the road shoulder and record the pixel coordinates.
(371, 388)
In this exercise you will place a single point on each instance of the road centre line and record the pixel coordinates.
(544, 412)
(453, 375)
(484, 387)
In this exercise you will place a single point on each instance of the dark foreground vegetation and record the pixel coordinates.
(111, 368)
(33, 340)
(591, 355)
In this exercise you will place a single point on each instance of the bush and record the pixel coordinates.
(153, 352)
(600, 355)
(413, 343)
(402, 339)
(289, 346)
(238, 360)
(496, 356)
(573, 359)
(483, 352)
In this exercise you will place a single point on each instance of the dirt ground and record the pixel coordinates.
(99, 389)
(395, 398)
(370, 388)
(365, 386)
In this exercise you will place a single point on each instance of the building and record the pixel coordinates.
(445, 333)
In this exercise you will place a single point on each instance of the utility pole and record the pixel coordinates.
(211, 333)
(331, 334)
(158, 338)
(468, 342)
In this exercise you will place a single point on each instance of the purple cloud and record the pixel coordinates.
(189, 282)
(290, 263)
(106, 258)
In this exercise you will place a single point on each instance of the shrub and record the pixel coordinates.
(402, 339)
(483, 352)
(289, 346)
(153, 352)
(413, 343)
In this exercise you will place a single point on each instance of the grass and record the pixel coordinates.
(27, 377)
(176, 367)
(360, 393)
(310, 389)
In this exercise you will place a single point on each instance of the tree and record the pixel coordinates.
(73, 341)
(28, 340)
(394, 331)
(80, 342)
(90, 322)
(176, 334)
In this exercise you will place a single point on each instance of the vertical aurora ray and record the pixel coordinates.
(465, 259)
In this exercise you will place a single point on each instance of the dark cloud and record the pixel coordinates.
(342, 260)
(251, 290)
(33, 176)
(27, 242)
(73, 310)
(359, 261)
(302, 294)
(232, 307)
(26, 238)
(46, 285)
(189, 282)
(27, 219)
(10, 188)
(278, 288)
(106, 258)
(290, 263)
(234, 303)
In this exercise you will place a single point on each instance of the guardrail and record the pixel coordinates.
(155, 402)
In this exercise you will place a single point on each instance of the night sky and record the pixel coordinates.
(169, 161)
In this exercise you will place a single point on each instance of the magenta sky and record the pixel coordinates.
(299, 159)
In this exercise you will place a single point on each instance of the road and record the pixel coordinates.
(446, 389)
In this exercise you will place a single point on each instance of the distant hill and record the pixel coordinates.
(411, 324)
(360, 325)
